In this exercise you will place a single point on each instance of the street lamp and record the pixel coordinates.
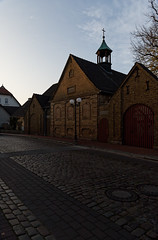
(75, 102)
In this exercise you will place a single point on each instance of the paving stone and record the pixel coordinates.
(10, 216)
(35, 223)
(145, 238)
(7, 210)
(27, 213)
(108, 214)
(14, 222)
(9, 202)
(128, 228)
(3, 206)
(146, 226)
(138, 232)
(51, 237)
(85, 233)
(21, 218)
(16, 201)
(31, 218)
(114, 218)
(22, 208)
(37, 237)
(19, 230)
(43, 231)
(13, 207)
(152, 234)
(17, 212)
(31, 231)
(127, 235)
(26, 224)
(10, 194)
(121, 221)
(24, 237)
(98, 233)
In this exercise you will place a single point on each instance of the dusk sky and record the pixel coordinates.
(37, 36)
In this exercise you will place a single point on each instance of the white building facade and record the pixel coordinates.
(8, 104)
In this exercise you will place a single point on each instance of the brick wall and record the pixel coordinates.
(34, 118)
(73, 84)
(139, 88)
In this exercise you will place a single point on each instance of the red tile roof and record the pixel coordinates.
(4, 91)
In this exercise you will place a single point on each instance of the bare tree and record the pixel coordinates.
(145, 40)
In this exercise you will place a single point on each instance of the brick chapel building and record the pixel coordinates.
(95, 102)
(79, 106)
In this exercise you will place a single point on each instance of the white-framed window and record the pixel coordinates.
(6, 100)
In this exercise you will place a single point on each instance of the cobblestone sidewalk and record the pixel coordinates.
(24, 223)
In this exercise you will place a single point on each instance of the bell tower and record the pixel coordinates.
(104, 54)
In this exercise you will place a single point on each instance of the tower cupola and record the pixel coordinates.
(104, 54)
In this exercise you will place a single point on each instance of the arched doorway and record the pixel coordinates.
(139, 126)
(103, 130)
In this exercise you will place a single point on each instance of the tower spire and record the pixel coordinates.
(103, 33)
(104, 54)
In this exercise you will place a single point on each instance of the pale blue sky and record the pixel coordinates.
(37, 36)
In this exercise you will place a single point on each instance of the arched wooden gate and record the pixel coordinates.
(139, 126)
(103, 130)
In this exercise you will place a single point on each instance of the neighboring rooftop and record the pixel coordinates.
(20, 112)
(105, 81)
(50, 91)
(43, 100)
(4, 91)
(10, 110)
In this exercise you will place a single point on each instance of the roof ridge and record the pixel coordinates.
(83, 59)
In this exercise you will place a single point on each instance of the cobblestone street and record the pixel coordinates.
(51, 190)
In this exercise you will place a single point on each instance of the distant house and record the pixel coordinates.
(8, 105)
(37, 117)
(7, 98)
(19, 114)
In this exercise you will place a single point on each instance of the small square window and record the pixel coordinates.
(6, 100)
(71, 90)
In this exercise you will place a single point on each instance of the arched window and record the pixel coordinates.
(86, 111)
(58, 113)
(70, 113)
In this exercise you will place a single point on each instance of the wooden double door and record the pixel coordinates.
(138, 126)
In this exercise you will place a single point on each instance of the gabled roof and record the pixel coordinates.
(136, 65)
(105, 81)
(9, 110)
(20, 112)
(4, 91)
(43, 100)
(147, 70)
(50, 91)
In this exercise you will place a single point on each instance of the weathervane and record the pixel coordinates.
(103, 33)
